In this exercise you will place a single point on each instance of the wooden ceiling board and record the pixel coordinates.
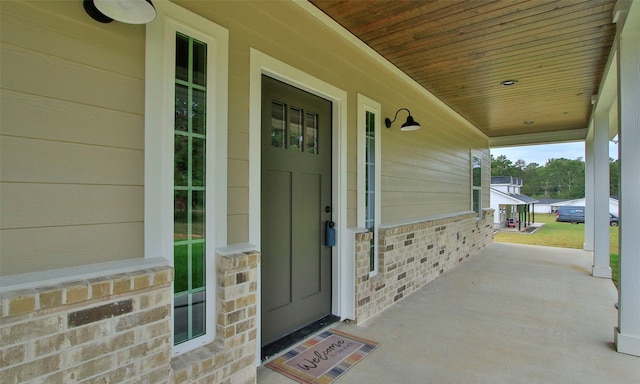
(461, 50)
(526, 58)
(493, 49)
(485, 44)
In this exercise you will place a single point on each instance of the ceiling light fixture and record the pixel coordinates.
(409, 125)
(508, 83)
(124, 11)
(528, 122)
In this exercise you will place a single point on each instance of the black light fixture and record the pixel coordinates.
(124, 11)
(409, 125)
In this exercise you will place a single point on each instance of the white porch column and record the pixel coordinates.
(588, 193)
(600, 227)
(627, 334)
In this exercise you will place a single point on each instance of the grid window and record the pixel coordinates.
(370, 183)
(189, 189)
(476, 184)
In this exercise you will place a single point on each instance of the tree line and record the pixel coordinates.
(557, 179)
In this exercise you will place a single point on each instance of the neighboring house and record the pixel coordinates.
(547, 205)
(511, 208)
(157, 179)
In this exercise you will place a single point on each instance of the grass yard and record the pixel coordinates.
(563, 235)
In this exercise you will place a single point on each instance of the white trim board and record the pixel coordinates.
(262, 64)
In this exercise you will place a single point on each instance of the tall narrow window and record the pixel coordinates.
(185, 191)
(369, 150)
(370, 183)
(476, 184)
(190, 137)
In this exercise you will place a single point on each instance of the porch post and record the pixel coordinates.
(533, 212)
(627, 334)
(589, 193)
(600, 224)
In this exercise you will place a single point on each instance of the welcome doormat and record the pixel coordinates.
(322, 358)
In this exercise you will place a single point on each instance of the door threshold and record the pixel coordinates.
(280, 345)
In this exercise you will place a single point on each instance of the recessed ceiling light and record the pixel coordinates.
(528, 122)
(508, 83)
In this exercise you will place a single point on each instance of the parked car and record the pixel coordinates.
(575, 215)
(570, 214)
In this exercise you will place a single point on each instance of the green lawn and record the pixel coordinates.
(563, 235)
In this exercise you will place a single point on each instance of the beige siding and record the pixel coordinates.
(424, 172)
(73, 127)
(72, 138)
(45, 248)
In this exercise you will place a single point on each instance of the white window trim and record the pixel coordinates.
(159, 135)
(477, 155)
(365, 105)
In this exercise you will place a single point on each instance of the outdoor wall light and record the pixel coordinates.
(124, 11)
(409, 125)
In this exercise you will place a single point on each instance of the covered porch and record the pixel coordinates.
(512, 313)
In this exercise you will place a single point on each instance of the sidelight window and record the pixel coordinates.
(476, 184)
(369, 146)
(189, 190)
(186, 91)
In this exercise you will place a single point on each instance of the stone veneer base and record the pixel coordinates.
(412, 255)
(117, 329)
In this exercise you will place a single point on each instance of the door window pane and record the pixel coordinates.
(311, 133)
(277, 124)
(295, 129)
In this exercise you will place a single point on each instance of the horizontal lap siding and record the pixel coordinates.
(424, 173)
(72, 138)
(73, 125)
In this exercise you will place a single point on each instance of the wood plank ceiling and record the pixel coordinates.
(461, 51)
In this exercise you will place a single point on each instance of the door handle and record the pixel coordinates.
(329, 233)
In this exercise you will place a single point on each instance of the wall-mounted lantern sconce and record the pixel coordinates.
(409, 125)
(124, 11)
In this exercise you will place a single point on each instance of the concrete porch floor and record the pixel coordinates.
(510, 314)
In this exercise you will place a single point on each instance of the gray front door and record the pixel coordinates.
(296, 204)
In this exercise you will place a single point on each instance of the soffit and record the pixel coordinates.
(462, 50)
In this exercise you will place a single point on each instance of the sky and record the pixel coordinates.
(541, 153)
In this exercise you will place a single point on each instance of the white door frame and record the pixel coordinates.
(262, 64)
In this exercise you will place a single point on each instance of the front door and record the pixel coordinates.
(295, 206)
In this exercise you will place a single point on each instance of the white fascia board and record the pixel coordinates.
(539, 138)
